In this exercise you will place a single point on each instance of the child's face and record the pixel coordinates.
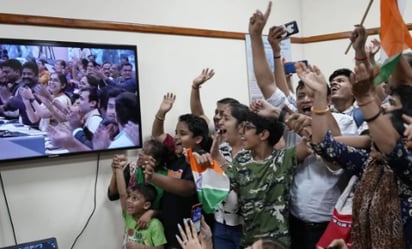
(229, 127)
(136, 203)
(249, 137)
(184, 138)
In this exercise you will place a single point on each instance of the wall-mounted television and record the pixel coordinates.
(63, 98)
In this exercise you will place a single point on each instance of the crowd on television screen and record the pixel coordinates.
(78, 103)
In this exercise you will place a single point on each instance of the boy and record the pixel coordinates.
(135, 201)
(262, 177)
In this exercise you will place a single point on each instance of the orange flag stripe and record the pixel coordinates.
(395, 36)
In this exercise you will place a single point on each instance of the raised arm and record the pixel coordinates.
(263, 73)
(358, 39)
(380, 127)
(321, 115)
(119, 160)
(195, 102)
(158, 123)
(274, 38)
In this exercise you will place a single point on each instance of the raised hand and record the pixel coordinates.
(258, 21)
(275, 37)
(373, 48)
(358, 38)
(264, 109)
(148, 167)
(312, 77)
(167, 103)
(205, 75)
(132, 131)
(26, 93)
(119, 161)
(188, 236)
(362, 80)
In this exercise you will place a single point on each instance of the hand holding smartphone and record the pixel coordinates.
(290, 66)
(291, 28)
(197, 215)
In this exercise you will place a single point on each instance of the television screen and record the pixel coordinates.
(49, 243)
(60, 98)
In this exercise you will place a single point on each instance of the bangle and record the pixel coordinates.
(195, 87)
(366, 102)
(319, 112)
(277, 57)
(374, 117)
(159, 118)
(361, 59)
(282, 115)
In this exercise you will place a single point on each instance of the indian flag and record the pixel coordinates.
(212, 184)
(395, 36)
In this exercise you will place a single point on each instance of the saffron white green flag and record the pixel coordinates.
(212, 184)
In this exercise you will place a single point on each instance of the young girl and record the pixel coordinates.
(179, 187)
(54, 102)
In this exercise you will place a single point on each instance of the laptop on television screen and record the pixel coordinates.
(49, 243)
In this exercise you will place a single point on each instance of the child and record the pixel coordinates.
(262, 177)
(135, 201)
(179, 188)
(133, 174)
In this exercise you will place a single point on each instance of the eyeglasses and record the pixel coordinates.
(248, 126)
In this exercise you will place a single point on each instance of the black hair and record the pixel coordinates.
(198, 127)
(13, 64)
(239, 112)
(228, 101)
(272, 125)
(126, 64)
(404, 92)
(341, 71)
(62, 79)
(301, 85)
(147, 190)
(32, 66)
(94, 81)
(108, 92)
(158, 151)
(62, 62)
(126, 104)
(93, 94)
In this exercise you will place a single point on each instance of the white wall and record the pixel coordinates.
(53, 197)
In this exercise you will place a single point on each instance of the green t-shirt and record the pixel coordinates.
(153, 235)
(263, 189)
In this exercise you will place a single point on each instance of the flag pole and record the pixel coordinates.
(361, 23)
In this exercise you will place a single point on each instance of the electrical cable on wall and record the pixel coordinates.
(8, 208)
(94, 203)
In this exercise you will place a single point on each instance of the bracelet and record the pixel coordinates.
(195, 87)
(366, 103)
(361, 59)
(159, 118)
(31, 100)
(282, 115)
(374, 117)
(319, 112)
(277, 57)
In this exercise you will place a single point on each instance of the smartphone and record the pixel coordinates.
(290, 66)
(197, 215)
(290, 28)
